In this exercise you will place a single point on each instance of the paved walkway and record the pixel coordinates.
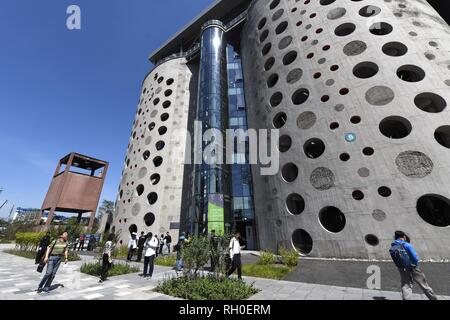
(19, 279)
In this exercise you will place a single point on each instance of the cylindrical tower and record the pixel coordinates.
(150, 195)
(212, 176)
(359, 91)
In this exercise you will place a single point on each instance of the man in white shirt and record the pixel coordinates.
(132, 245)
(235, 255)
(150, 247)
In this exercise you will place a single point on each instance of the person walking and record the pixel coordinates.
(150, 248)
(42, 249)
(407, 262)
(132, 245)
(161, 244)
(179, 249)
(107, 258)
(168, 240)
(75, 244)
(56, 252)
(141, 243)
(214, 246)
(235, 255)
(82, 238)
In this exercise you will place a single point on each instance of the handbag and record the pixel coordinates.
(42, 264)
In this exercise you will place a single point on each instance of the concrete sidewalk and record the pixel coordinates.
(19, 279)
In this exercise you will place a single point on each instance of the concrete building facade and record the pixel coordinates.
(359, 91)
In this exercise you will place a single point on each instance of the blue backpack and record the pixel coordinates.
(400, 256)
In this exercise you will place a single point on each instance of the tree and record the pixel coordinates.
(107, 207)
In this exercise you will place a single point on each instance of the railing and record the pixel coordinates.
(196, 47)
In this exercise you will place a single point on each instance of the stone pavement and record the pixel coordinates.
(19, 279)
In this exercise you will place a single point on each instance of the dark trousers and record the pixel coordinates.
(106, 265)
(236, 264)
(161, 249)
(130, 253)
(408, 277)
(168, 248)
(81, 246)
(139, 253)
(40, 255)
(52, 267)
(148, 265)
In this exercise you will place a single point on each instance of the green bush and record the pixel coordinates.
(266, 258)
(196, 254)
(206, 288)
(95, 268)
(120, 252)
(289, 257)
(32, 254)
(272, 271)
(28, 241)
(166, 261)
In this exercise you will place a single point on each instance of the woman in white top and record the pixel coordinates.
(235, 255)
(107, 258)
(150, 247)
(132, 245)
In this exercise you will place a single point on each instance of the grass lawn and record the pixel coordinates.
(32, 254)
(270, 271)
(95, 268)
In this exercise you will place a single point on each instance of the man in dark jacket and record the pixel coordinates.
(141, 242)
(407, 262)
(168, 239)
(43, 244)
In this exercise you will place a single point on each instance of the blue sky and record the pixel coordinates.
(63, 91)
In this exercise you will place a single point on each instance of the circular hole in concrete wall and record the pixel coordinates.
(160, 79)
(355, 119)
(157, 161)
(272, 80)
(354, 48)
(358, 195)
(133, 229)
(156, 101)
(295, 204)
(294, 75)
(378, 215)
(164, 117)
(154, 178)
(372, 240)
(306, 120)
(380, 28)
(166, 104)
(345, 29)
(265, 50)
(285, 42)
(302, 241)
(384, 191)
(395, 49)
(160, 145)
(162, 130)
(152, 197)
(314, 148)
(168, 92)
(410, 73)
(434, 209)
(142, 172)
(379, 95)
(262, 23)
(276, 99)
(169, 81)
(369, 11)
(146, 155)
(289, 172)
(332, 219)
(334, 125)
(414, 164)
(336, 13)
(281, 27)
(300, 96)
(395, 127)
(430, 102)
(365, 70)
(151, 126)
(277, 15)
(274, 4)
(140, 190)
(289, 57)
(326, 2)
(368, 151)
(442, 136)
(153, 113)
(344, 157)
(285, 143)
(279, 120)
(269, 63)
(322, 178)
(149, 219)
(264, 35)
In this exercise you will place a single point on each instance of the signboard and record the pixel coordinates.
(216, 213)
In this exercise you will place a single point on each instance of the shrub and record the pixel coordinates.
(196, 254)
(166, 261)
(120, 252)
(266, 258)
(28, 241)
(273, 271)
(73, 256)
(289, 257)
(95, 268)
(206, 287)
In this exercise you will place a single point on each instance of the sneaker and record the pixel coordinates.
(100, 281)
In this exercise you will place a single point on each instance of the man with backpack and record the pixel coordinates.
(407, 261)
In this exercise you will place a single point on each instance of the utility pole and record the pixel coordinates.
(3, 204)
(10, 213)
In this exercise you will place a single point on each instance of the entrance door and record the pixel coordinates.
(250, 238)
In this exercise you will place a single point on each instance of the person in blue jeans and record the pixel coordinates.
(179, 249)
(57, 250)
(407, 261)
